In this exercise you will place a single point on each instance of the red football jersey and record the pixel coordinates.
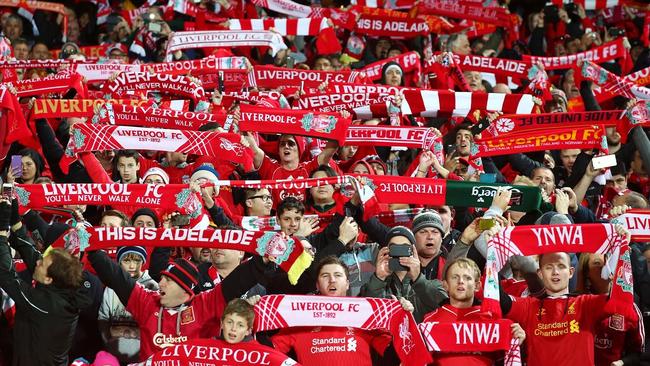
(199, 320)
(332, 345)
(448, 313)
(615, 334)
(271, 169)
(560, 330)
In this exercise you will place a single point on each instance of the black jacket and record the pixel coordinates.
(46, 316)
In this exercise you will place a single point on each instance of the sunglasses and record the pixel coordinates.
(288, 143)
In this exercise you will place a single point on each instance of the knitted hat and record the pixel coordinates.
(156, 171)
(427, 219)
(205, 171)
(400, 231)
(554, 218)
(184, 273)
(146, 212)
(139, 250)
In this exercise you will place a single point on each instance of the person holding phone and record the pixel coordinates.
(401, 275)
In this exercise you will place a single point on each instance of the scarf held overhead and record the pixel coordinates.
(286, 252)
(93, 137)
(609, 51)
(295, 122)
(637, 222)
(145, 81)
(282, 311)
(576, 238)
(127, 115)
(228, 39)
(62, 108)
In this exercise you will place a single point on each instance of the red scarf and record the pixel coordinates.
(475, 335)
(412, 137)
(583, 238)
(127, 115)
(592, 4)
(91, 137)
(466, 10)
(608, 51)
(281, 311)
(217, 352)
(58, 83)
(287, 253)
(13, 126)
(62, 108)
(164, 197)
(144, 81)
(504, 67)
(294, 122)
(537, 140)
(394, 27)
(34, 64)
(286, 7)
(271, 77)
(335, 102)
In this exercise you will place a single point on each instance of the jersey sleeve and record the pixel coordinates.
(520, 311)
(283, 341)
(268, 167)
(142, 303)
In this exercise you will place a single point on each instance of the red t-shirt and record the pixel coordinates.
(331, 345)
(271, 169)
(559, 331)
(200, 320)
(614, 335)
(448, 313)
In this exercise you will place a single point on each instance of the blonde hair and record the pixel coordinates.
(463, 262)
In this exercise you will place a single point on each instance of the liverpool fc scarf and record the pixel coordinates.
(272, 77)
(93, 137)
(294, 122)
(58, 83)
(286, 7)
(474, 335)
(62, 108)
(13, 126)
(637, 222)
(582, 238)
(127, 115)
(437, 103)
(144, 81)
(609, 51)
(286, 252)
(34, 64)
(164, 197)
(215, 39)
(208, 64)
(284, 27)
(466, 10)
(217, 352)
(282, 311)
(336, 102)
(100, 72)
(586, 137)
(611, 83)
(504, 67)
(411, 137)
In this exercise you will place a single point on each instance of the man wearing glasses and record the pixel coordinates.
(257, 202)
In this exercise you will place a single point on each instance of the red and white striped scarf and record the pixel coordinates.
(286, 7)
(285, 27)
(272, 77)
(612, 83)
(281, 311)
(227, 38)
(128, 115)
(591, 4)
(637, 222)
(437, 103)
(335, 102)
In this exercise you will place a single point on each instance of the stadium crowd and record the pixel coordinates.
(280, 182)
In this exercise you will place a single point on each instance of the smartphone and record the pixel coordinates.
(486, 223)
(396, 252)
(515, 198)
(290, 62)
(598, 162)
(155, 27)
(16, 166)
(180, 220)
(222, 88)
(7, 191)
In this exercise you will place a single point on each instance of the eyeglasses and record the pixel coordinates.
(264, 197)
(288, 143)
